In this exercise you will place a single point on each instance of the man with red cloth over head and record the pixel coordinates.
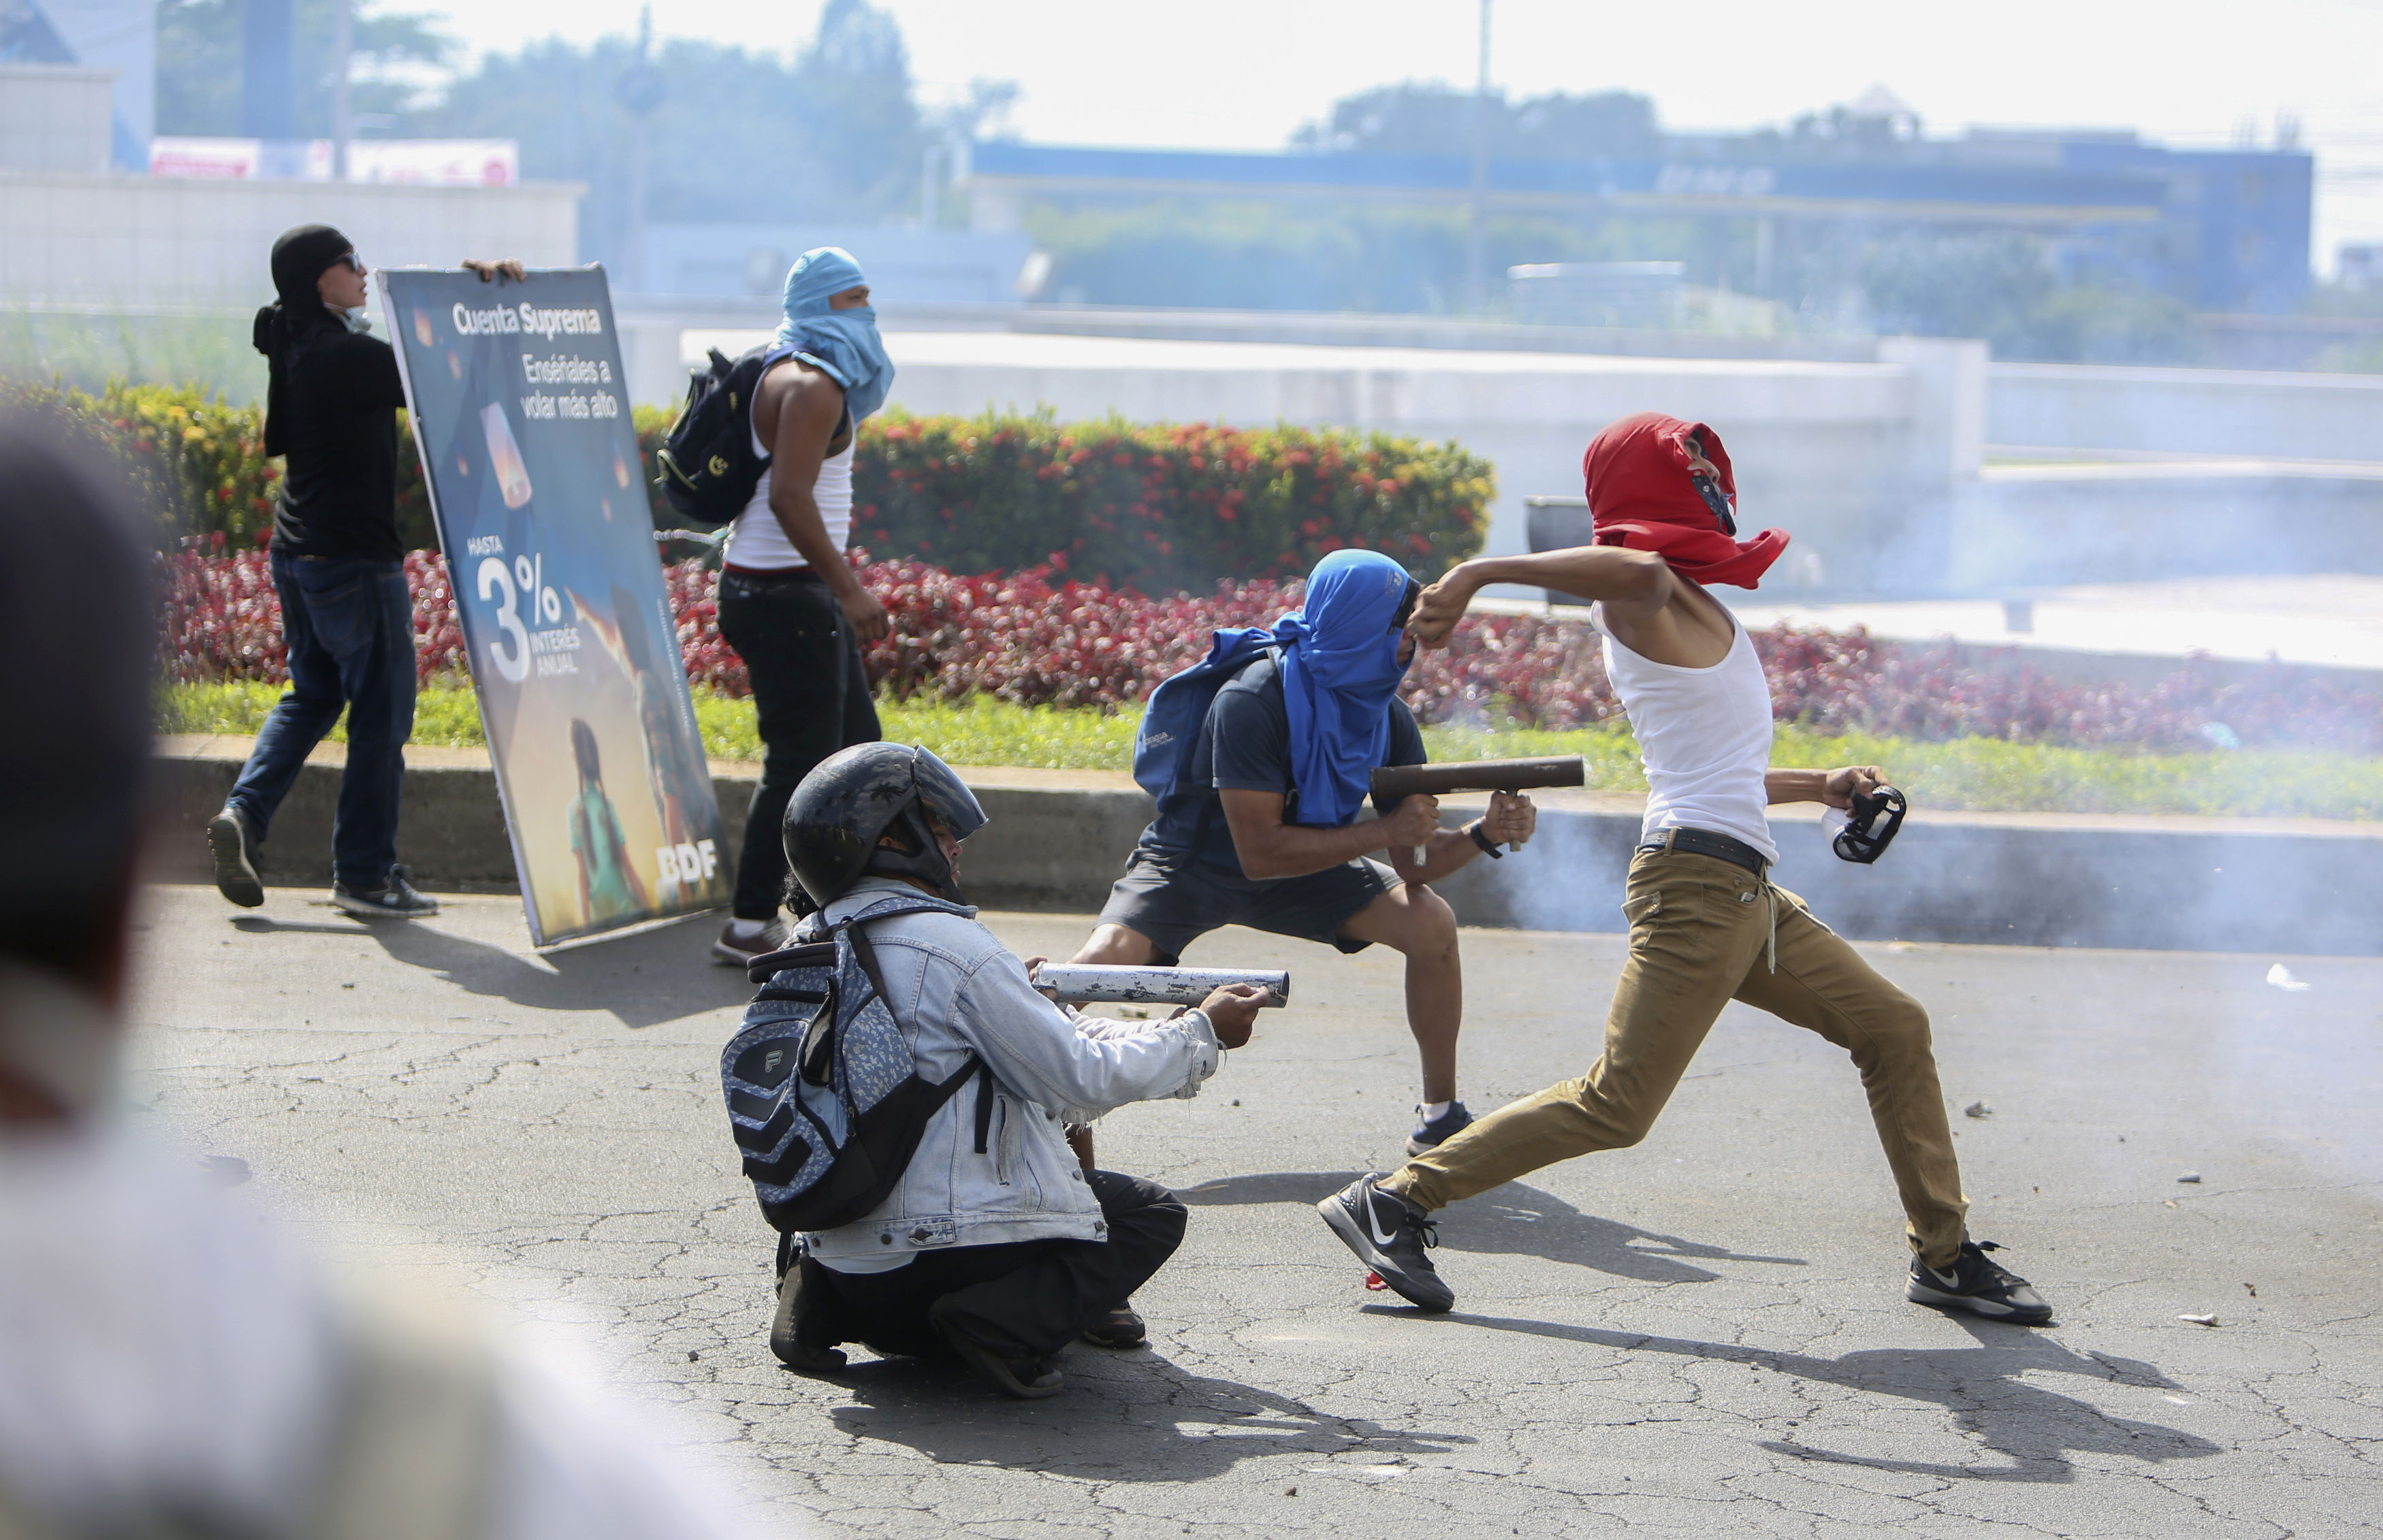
(1707, 925)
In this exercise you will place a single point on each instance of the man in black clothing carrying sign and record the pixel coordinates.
(338, 569)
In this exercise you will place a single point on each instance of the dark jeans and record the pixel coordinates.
(1027, 1299)
(349, 626)
(810, 696)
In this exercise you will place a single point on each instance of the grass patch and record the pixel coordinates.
(1967, 774)
(444, 717)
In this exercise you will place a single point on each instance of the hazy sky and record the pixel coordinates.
(1242, 74)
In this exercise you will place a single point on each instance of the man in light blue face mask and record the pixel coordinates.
(789, 603)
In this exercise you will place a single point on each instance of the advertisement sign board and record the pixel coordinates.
(412, 162)
(523, 424)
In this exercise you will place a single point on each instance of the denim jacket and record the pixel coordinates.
(956, 990)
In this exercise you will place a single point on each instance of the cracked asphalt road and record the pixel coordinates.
(1702, 1334)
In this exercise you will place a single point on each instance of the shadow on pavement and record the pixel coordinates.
(1985, 1389)
(643, 980)
(1510, 1220)
(265, 925)
(1131, 1417)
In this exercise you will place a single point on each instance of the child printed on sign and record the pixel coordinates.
(609, 888)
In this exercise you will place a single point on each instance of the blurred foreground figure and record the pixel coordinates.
(169, 1365)
(1707, 924)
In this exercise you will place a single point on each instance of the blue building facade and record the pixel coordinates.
(2217, 230)
(2232, 228)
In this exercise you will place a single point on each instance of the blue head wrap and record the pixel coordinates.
(844, 344)
(1340, 670)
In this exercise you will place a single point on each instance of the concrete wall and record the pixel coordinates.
(125, 242)
(1876, 468)
(2227, 412)
(55, 117)
(1857, 458)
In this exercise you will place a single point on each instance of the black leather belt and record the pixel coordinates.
(771, 574)
(1704, 842)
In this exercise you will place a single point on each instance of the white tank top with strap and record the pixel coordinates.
(757, 541)
(1704, 736)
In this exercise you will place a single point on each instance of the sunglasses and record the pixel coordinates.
(352, 261)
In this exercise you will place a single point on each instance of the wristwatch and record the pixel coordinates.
(1489, 846)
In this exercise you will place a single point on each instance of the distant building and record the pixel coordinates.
(2218, 230)
(119, 37)
(78, 234)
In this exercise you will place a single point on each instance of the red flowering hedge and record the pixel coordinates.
(1156, 508)
(1160, 508)
(223, 620)
(1037, 637)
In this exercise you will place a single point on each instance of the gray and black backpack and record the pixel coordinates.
(823, 1091)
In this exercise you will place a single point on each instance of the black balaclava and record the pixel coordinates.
(299, 258)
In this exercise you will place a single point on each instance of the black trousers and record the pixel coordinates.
(811, 697)
(1027, 1299)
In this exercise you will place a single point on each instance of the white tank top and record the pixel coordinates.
(757, 540)
(1704, 735)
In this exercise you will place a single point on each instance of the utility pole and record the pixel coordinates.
(343, 43)
(1476, 282)
(639, 92)
(268, 85)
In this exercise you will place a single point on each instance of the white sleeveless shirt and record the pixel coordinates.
(1704, 736)
(757, 540)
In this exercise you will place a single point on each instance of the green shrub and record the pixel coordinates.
(1159, 507)
(197, 458)
(1154, 507)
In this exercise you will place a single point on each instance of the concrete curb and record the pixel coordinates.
(1057, 839)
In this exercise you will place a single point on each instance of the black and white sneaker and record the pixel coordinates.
(744, 940)
(1120, 1328)
(234, 848)
(1431, 1133)
(1977, 1284)
(1390, 1234)
(395, 900)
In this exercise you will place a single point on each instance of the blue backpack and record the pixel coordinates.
(824, 1095)
(1177, 711)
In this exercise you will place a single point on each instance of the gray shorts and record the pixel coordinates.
(1175, 898)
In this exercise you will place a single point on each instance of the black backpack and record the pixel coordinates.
(824, 1098)
(709, 469)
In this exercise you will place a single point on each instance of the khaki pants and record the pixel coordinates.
(1701, 933)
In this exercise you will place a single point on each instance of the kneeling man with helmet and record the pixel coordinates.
(989, 1242)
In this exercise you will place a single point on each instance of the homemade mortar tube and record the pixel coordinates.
(1392, 782)
(1083, 983)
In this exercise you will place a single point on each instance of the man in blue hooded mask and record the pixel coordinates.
(789, 603)
(1259, 827)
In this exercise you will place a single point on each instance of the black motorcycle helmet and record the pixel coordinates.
(841, 814)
